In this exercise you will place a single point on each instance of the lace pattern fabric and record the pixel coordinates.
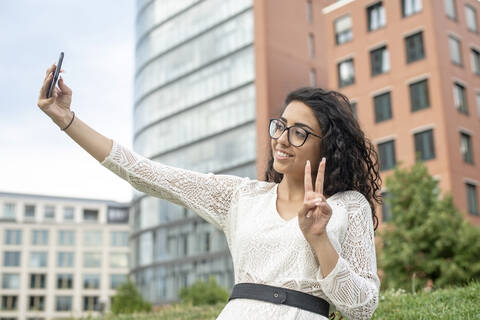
(265, 248)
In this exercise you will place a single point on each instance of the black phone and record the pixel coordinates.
(55, 75)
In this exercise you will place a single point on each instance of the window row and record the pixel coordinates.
(62, 303)
(67, 237)
(38, 259)
(63, 281)
(472, 202)
(377, 19)
(30, 211)
(380, 59)
(419, 99)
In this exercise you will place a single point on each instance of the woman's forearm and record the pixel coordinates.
(93, 142)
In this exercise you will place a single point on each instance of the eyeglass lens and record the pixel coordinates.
(296, 137)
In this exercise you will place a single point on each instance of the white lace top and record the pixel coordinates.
(266, 248)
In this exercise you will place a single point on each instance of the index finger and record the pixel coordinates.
(320, 176)
(308, 178)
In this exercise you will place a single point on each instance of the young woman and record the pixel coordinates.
(302, 241)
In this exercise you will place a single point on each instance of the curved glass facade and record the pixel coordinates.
(195, 109)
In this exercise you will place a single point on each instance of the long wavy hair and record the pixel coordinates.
(353, 158)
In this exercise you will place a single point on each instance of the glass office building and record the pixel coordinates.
(194, 108)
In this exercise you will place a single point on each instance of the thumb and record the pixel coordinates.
(307, 205)
(65, 89)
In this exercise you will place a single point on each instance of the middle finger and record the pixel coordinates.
(320, 177)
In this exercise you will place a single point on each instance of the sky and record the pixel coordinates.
(97, 38)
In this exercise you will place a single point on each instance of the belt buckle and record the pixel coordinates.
(279, 296)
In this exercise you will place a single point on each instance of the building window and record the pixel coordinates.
(472, 199)
(118, 260)
(450, 9)
(36, 303)
(9, 303)
(65, 259)
(414, 47)
(455, 50)
(91, 281)
(343, 29)
(13, 236)
(40, 237)
(117, 215)
(376, 16)
(90, 303)
(64, 281)
(49, 213)
(119, 238)
(68, 213)
(386, 151)
(309, 11)
(9, 211)
(383, 107)
(379, 61)
(90, 215)
(37, 280)
(419, 97)
(386, 213)
(29, 211)
(63, 303)
(92, 259)
(477, 97)
(424, 145)
(410, 7)
(38, 259)
(346, 73)
(313, 77)
(466, 147)
(117, 280)
(66, 237)
(460, 98)
(11, 259)
(476, 61)
(92, 238)
(10, 281)
(311, 45)
(353, 108)
(471, 16)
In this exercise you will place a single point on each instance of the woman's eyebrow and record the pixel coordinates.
(298, 123)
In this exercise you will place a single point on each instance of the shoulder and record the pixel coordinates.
(349, 197)
(254, 187)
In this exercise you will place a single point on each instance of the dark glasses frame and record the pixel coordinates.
(288, 133)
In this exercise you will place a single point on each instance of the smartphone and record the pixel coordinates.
(55, 75)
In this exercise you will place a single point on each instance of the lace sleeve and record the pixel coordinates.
(207, 194)
(353, 285)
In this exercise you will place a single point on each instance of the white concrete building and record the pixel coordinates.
(60, 257)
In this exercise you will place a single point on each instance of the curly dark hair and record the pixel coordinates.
(343, 144)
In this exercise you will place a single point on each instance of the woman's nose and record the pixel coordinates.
(284, 138)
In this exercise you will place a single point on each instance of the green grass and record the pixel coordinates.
(453, 303)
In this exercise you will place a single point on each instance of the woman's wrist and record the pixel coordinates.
(64, 119)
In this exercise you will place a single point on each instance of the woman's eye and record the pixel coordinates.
(300, 133)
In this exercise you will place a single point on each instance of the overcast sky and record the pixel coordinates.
(97, 38)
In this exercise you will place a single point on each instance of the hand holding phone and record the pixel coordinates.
(55, 76)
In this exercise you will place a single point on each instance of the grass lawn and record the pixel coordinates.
(455, 303)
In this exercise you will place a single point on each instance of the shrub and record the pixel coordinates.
(129, 300)
(208, 292)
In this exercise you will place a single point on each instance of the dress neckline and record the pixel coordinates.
(275, 211)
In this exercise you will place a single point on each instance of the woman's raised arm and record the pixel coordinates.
(57, 107)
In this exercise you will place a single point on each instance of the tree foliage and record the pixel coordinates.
(128, 299)
(204, 292)
(427, 240)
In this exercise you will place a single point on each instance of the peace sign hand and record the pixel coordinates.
(315, 212)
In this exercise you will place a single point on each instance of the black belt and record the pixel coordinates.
(280, 295)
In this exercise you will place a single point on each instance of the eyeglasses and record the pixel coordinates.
(300, 135)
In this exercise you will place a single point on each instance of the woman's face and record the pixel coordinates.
(297, 112)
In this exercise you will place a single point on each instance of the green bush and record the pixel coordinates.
(204, 292)
(427, 242)
(129, 300)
